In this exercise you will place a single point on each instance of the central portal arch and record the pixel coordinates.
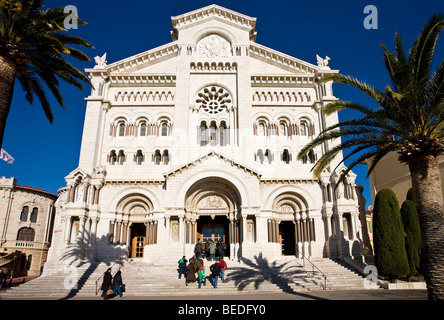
(212, 213)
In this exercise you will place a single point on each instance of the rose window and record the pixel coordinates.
(213, 100)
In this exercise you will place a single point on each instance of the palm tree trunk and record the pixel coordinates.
(8, 73)
(426, 182)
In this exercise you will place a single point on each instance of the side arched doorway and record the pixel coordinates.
(134, 226)
(291, 226)
(213, 208)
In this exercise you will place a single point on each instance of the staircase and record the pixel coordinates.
(245, 277)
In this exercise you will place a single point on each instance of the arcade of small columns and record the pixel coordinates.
(216, 199)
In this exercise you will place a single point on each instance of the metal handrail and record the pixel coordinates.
(98, 279)
(314, 267)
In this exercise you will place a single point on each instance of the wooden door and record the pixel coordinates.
(199, 236)
(138, 245)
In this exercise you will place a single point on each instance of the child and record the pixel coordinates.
(202, 278)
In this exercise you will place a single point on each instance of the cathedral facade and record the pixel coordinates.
(198, 139)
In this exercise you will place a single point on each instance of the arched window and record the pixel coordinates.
(329, 198)
(164, 129)
(213, 134)
(157, 157)
(286, 156)
(26, 234)
(139, 157)
(311, 157)
(24, 214)
(223, 134)
(269, 156)
(121, 158)
(143, 129)
(121, 129)
(203, 134)
(260, 156)
(112, 157)
(166, 157)
(34, 214)
(261, 129)
(283, 129)
(304, 128)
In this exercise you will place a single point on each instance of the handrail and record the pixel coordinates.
(98, 279)
(313, 267)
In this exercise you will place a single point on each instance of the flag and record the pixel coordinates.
(5, 156)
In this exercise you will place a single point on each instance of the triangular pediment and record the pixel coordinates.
(209, 156)
(76, 174)
(141, 63)
(213, 12)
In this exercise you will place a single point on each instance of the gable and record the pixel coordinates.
(211, 158)
(213, 13)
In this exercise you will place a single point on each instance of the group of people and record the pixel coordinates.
(112, 283)
(196, 265)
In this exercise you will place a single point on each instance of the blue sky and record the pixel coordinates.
(44, 153)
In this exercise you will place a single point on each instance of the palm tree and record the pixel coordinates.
(409, 120)
(32, 42)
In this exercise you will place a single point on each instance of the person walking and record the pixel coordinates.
(207, 249)
(117, 284)
(215, 273)
(106, 283)
(190, 274)
(198, 249)
(182, 266)
(202, 278)
(223, 267)
(199, 263)
(212, 249)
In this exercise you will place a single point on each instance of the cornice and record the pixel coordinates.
(141, 80)
(285, 61)
(138, 61)
(283, 81)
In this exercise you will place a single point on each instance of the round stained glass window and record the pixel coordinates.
(213, 100)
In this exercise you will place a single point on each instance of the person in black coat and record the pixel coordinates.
(215, 273)
(106, 283)
(117, 284)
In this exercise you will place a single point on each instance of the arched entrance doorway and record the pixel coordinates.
(291, 226)
(215, 230)
(138, 240)
(135, 227)
(213, 208)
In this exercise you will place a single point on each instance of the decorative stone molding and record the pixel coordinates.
(142, 80)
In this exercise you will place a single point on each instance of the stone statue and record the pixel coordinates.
(323, 63)
(100, 61)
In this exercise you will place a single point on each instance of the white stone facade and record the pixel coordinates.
(199, 138)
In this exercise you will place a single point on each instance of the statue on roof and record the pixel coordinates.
(100, 61)
(323, 63)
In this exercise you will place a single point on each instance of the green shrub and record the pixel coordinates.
(388, 236)
(412, 231)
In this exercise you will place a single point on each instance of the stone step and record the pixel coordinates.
(144, 279)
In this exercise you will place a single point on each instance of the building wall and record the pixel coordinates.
(391, 174)
(212, 73)
(34, 244)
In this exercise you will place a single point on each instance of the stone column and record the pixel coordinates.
(68, 226)
(181, 230)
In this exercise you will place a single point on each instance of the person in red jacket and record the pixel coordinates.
(223, 267)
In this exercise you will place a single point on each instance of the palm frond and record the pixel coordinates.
(42, 45)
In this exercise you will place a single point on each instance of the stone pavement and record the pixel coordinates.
(362, 295)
